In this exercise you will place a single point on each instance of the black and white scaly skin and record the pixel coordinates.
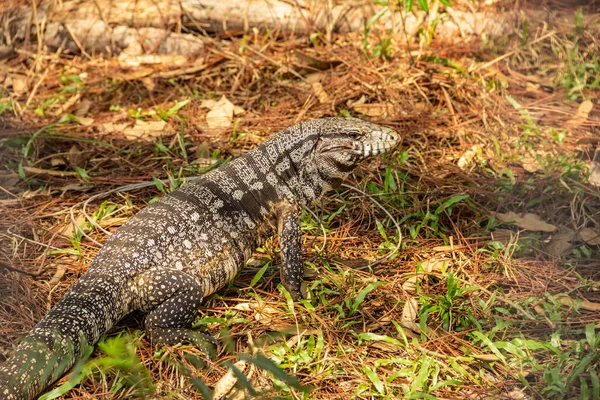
(191, 243)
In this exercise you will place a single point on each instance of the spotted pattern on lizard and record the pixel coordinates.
(191, 243)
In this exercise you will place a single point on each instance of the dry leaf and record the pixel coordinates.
(149, 84)
(561, 242)
(529, 222)
(320, 92)
(110, 127)
(221, 114)
(585, 304)
(420, 107)
(85, 121)
(435, 265)
(381, 322)
(208, 103)
(315, 63)
(244, 306)
(532, 87)
(502, 235)
(530, 164)
(75, 157)
(588, 305)
(428, 266)
(582, 114)
(376, 109)
(539, 309)
(412, 326)
(227, 381)
(485, 357)
(314, 77)
(10, 202)
(70, 231)
(264, 315)
(112, 222)
(148, 130)
(466, 158)
(57, 162)
(517, 394)
(410, 285)
(67, 104)
(590, 236)
(19, 84)
(211, 103)
(410, 310)
(51, 172)
(594, 178)
(60, 272)
(83, 108)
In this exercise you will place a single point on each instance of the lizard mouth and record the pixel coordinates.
(376, 143)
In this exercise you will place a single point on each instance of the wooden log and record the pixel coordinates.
(141, 27)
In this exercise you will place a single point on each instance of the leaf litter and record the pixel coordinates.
(444, 117)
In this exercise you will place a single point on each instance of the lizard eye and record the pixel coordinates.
(354, 135)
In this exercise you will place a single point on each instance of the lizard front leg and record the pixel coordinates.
(290, 242)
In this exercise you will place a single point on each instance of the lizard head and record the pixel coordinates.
(344, 142)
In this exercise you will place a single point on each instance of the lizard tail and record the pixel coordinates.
(53, 346)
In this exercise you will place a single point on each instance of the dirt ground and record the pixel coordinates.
(492, 289)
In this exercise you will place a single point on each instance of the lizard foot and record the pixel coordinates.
(173, 336)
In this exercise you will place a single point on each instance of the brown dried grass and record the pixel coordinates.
(441, 114)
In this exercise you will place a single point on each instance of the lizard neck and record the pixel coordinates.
(281, 169)
(288, 165)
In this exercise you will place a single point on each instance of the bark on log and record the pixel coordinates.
(141, 27)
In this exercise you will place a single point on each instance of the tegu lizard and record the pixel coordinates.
(191, 243)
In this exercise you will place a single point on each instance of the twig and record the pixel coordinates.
(13, 269)
(278, 64)
(322, 229)
(180, 71)
(378, 204)
(77, 42)
(36, 87)
(45, 254)
(8, 192)
(412, 60)
(51, 172)
(450, 107)
(510, 53)
(31, 240)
